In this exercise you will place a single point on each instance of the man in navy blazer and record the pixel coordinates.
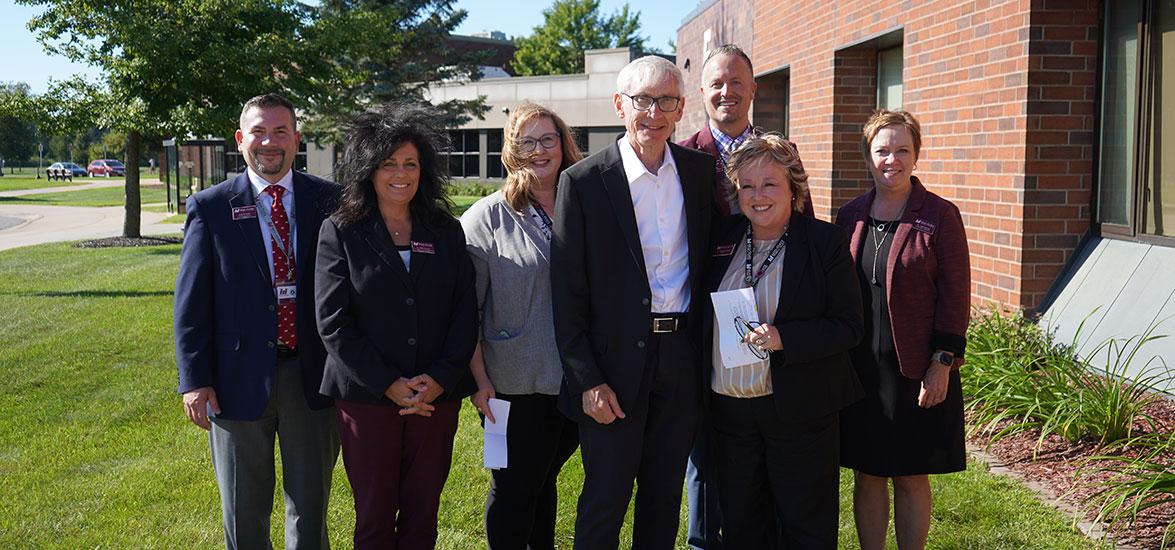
(249, 356)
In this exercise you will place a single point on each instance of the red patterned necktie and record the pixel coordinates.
(283, 266)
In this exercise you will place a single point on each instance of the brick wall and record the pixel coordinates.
(1004, 91)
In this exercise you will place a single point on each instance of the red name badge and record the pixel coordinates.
(244, 212)
(923, 226)
(724, 250)
(287, 293)
(423, 248)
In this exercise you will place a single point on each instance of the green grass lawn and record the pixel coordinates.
(15, 182)
(104, 196)
(95, 450)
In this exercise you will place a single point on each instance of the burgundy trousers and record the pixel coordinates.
(397, 466)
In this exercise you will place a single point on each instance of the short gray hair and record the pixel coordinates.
(650, 68)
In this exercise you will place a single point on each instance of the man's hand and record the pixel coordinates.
(196, 405)
(934, 385)
(601, 404)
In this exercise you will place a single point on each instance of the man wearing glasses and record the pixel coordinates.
(628, 252)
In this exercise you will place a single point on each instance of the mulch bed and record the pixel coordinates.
(1055, 469)
(111, 242)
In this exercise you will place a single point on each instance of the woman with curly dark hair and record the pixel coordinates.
(396, 309)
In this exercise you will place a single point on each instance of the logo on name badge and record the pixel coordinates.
(244, 212)
(724, 250)
(923, 226)
(423, 248)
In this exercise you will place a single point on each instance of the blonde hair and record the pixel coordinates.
(520, 179)
(884, 118)
(773, 147)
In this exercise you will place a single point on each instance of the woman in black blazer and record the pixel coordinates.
(396, 309)
(776, 418)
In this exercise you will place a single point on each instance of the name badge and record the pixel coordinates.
(244, 212)
(286, 293)
(724, 250)
(923, 226)
(423, 248)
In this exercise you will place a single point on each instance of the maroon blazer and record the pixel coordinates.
(703, 140)
(927, 276)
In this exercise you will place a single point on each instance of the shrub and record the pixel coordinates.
(1018, 379)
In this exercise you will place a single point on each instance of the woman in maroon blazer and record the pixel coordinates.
(914, 269)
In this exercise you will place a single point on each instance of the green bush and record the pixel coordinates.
(471, 188)
(1019, 379)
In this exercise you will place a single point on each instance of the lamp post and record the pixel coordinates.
(40, 158)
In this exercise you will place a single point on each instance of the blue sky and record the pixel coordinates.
(24, 60)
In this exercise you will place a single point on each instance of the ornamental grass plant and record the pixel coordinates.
(1019, 378)
(1137, 482)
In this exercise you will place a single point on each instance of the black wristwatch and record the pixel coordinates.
(945, 357)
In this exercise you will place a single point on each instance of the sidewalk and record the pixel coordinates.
(45, 224)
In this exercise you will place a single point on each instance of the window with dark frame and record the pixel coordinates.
(1136, 161)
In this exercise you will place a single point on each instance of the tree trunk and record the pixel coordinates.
(131, 225)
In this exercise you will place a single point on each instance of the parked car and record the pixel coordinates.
(64, 170)
(74, 170)
(106, 167)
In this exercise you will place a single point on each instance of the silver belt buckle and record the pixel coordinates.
(663, 325)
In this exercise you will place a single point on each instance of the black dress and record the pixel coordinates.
(887, 434)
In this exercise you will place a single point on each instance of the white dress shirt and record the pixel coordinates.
(659, 205)
(264, 211)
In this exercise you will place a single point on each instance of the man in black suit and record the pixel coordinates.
(630, 233)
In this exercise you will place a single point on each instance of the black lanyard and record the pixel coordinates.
(771, 255)
(547, 223)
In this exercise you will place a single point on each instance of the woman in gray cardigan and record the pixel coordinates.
(508, 236)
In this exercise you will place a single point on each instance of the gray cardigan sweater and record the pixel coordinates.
(511, 257)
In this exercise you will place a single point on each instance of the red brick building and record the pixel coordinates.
(1043, 120)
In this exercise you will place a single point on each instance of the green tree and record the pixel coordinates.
(570, 27)
(185, 68)
(18, 134)
(390, 51)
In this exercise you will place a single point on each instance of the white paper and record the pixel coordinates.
(729, 304)
(494, 449)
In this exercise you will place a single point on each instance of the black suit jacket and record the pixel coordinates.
(819, 316)
(381, 322)
(600, 291)
(225, 308)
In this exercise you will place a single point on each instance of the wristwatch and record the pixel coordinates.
(945, 357)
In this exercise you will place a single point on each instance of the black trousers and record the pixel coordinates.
(771, 466)
(650, 445)
(520, 508)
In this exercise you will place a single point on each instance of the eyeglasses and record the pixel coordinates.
(528, 145)
(665, 104)
(744, 327)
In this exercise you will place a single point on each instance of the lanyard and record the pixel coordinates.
(771, 255)
(277, 239)
(547, 223)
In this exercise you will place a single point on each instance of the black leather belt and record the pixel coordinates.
(668, 322)
(286, 353)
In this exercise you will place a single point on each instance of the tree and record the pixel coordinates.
(185, 68)
(570, 27)
(18, 134)
(390, 51)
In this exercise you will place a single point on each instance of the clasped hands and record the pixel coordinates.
(415, 394)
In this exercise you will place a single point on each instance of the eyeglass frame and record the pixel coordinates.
(556, 135)
(654, 101)
(744, 327)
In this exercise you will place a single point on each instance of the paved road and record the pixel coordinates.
(45, 224)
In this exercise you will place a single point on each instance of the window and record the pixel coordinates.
(494, 168)
(772, 102)
(1136, 172)
(889, 78)
(464, 154)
